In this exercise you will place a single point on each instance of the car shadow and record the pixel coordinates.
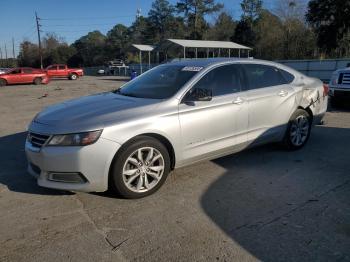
(286, 206)
(13, 163)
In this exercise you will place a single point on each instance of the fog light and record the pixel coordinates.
(67, 177)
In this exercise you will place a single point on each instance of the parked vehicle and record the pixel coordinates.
(114, 66)
(339, 86)
(173, 115)
(24, 75)
(3, 70)
(62, 71)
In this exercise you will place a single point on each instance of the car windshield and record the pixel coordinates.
(160, 83)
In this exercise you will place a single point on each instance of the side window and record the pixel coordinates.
(260, 76)
(61, 67)
(16, 71)
(51, 68)
(287, 76)
(27, 71)
(222, 80)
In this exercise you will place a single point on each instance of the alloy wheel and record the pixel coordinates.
(143, 169)
(299, 130)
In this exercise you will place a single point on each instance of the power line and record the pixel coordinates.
(85, 18)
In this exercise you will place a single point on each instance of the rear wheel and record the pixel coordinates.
(141, 168)
(37, 81)
(73, 77)
(298, 131)
(3, 82)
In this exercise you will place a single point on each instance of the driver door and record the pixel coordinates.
(216, 127)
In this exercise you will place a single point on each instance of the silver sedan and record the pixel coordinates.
(171, 116)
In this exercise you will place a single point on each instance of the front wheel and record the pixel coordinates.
(37, 81)
(73, 77)
(141, 168)
(3, 82)
(298, 131)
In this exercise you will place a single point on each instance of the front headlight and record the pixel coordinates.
(78, 139)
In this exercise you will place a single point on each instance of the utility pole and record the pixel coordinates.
(1, 56)
(39, 40)
(6, 56)
(13, 48)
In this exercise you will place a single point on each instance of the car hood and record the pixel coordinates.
(90, 113)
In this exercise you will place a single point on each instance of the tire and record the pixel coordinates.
(73, 77)
(3, 82)
(298, 130)
(37, 81)
(142, 163)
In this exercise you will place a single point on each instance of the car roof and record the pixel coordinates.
(206, 62)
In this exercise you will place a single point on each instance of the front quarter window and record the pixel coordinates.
(160, 83)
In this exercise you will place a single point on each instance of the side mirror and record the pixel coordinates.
(199, 94)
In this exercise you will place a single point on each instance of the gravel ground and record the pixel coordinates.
(262, 204)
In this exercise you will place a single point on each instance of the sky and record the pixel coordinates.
(71, 19)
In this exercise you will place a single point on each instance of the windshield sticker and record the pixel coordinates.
(192, 68)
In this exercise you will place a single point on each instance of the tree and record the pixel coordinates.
(269, 33)
(29, 54)
(290, 9)
(244, 33)
(90, 49)
(194, 12)
(223, 29)
(117, 42)
(161, 17)
(251, 10)
(330, 20)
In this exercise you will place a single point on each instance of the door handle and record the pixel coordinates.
(238, 101)
(282, 93)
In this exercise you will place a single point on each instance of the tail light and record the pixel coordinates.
(325, 89)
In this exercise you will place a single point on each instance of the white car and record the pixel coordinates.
(3, 70)
(339, 87)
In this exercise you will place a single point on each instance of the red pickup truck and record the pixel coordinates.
(64, 72)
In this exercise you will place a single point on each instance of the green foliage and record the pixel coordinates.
(279, 34)
(194, 12)
(330, 21)
(251, 9)
(223, 29)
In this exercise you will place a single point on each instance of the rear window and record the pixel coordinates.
(287, 76)
(27, 71)
(260, 76)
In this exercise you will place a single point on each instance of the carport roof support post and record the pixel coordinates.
(140, 62)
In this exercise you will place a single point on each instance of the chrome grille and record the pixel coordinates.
(344, 78)
(37, 140)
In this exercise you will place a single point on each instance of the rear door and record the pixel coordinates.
(61, 71)
(211, 128)
(271, 102)
(27, 75)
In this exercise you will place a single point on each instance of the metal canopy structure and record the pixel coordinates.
(144, 48)
(195, 44)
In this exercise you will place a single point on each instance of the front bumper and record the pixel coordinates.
(339, 92)
(91, 162)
